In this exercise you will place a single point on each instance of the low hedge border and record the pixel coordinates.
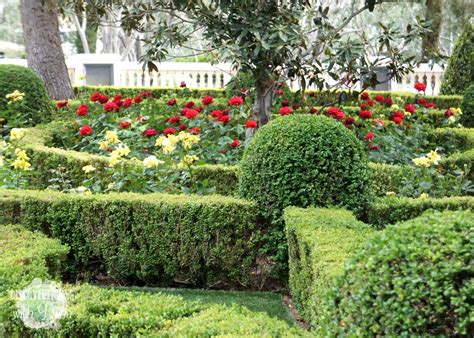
(159, 239)
(319, 243)
(94, 311)
(390, 210)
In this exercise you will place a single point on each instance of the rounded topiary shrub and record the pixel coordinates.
(467, 107)
(35, 106)
(413, 279)
(303, 160)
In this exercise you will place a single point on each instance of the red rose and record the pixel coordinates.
(363, 106)
(95, 96)
(369, 136)
(169, 131)
(278, 92)
(174, 119)
(349, 121)
(332, 111)
(244, 91)
(171, 102)
(224, 118)
(117, 98)
(235, 101)
(216, 114)
(364, 96)
(85, 130)
(448, 113)
(388, 101)
(365, 114)
(285, 111)
(137, 99)
(373, 147)
(82, 110)
(420, 86)
(182, 84)
(422, 101)
(110, 106)
(250, 124)
(370, 103)
(195, 130)
(295, 105)
(410, 108)
(125, 124)
(103, 99)
(235, 144)
(183, 111)
(189, 104)
(313, 110)
(285, 103)
(199, 109)
(127, 102)
(150, 132)
(339, 115)
(146, 93)
(407, 126)
(397, 120)
(379, 98)
(226, 112)
(62, 104)
(207, 100)
(397, 117)
(182, 127)
(191, 113)
(430, 105)
(281, 84)
(379, 123)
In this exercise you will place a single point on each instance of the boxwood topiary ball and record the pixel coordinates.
(302, 160)
(413, 279)
(35, 106)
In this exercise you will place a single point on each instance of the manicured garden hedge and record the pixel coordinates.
(390, 210)
(100, 312)
(319, 243)
(159, 239)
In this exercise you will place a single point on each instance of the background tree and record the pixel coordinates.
(43, 47)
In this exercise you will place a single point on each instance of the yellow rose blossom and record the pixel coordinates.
(407, 113)
(187, 161)
(88, 168)
(456, 111)
(17, 133)
(151, 161)
(103, 145)
(173, 138)
(21, 154)
(111, 137)
(422, 162)
(3, 145)
(426, 161)
(433, 156)
(395, 106)
(451, 119)
(188, 139)
(120, 151)
(390, 193)
(160, 140)
(83, 190)
(15, 96)
(114, 160)
(21, 164)
(424, 195)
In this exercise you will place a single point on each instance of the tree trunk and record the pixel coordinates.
(430, 43)
(263, 104)
(43, 47)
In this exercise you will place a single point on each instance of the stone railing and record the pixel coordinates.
(196, 75)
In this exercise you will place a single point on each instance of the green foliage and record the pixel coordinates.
(467, 107)
(390, 210)
(155, 238)
(319, 243)
(35, 106)
(460, 71)
(25, 255)
(303, 160)
(413, 279)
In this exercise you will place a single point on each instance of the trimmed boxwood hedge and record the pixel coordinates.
(319, 243)
(390, 210)
(412, 279)
(100, 312)
(157, 239)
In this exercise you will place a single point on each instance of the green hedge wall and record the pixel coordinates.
(319, 242)
(100, 312)
(159, 239)
(390, 210)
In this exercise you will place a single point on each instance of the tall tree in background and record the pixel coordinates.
(434, 14)
(43, 47)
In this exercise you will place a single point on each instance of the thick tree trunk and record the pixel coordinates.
(263, 104)
(43, 47)
(430, 43)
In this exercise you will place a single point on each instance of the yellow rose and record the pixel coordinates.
(151, 161)
(21, 164)
(111, 137)
(17, 133)
(88, 169)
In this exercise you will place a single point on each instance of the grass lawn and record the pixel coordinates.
(269, 302)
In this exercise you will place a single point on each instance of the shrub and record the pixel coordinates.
(389, 210)
(467, 107)
(319, 242)
(459, 73)
(304, 160)
(35, 106)
(412, 279)
(156, 238)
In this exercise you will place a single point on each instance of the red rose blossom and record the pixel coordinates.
(364, 96)
(332, 110)
(430, 105)
(285, 103)
(168, 131)
(349, 121)
(199, 109)
(397, 120)
(379, 123)
(224, 118)
(137, 99)
(110, 106)
(388, 101)
(448, 113)
(171, 102)
(195, 130)
(370, 103)
(363, 106)
(397, 117)
(313, 110)
(82, 110)
(285, 111)
(369, 136)
(189, 104)
(95, 96)
(236, 101)
(150, 132)
(235, 144)
(127, 102)
(182, 127)
(174, 119)
(125, 124)
(420, 86)
(191, 113)
(85, 130)
(250, 124)
(365, 114)
(182, 84)
(216, 114)
(62, 104)
(103, 99)
(339, 115)
(422, 101)
(278, 92)
(410, 108)
(379, 98)
(373, 147)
